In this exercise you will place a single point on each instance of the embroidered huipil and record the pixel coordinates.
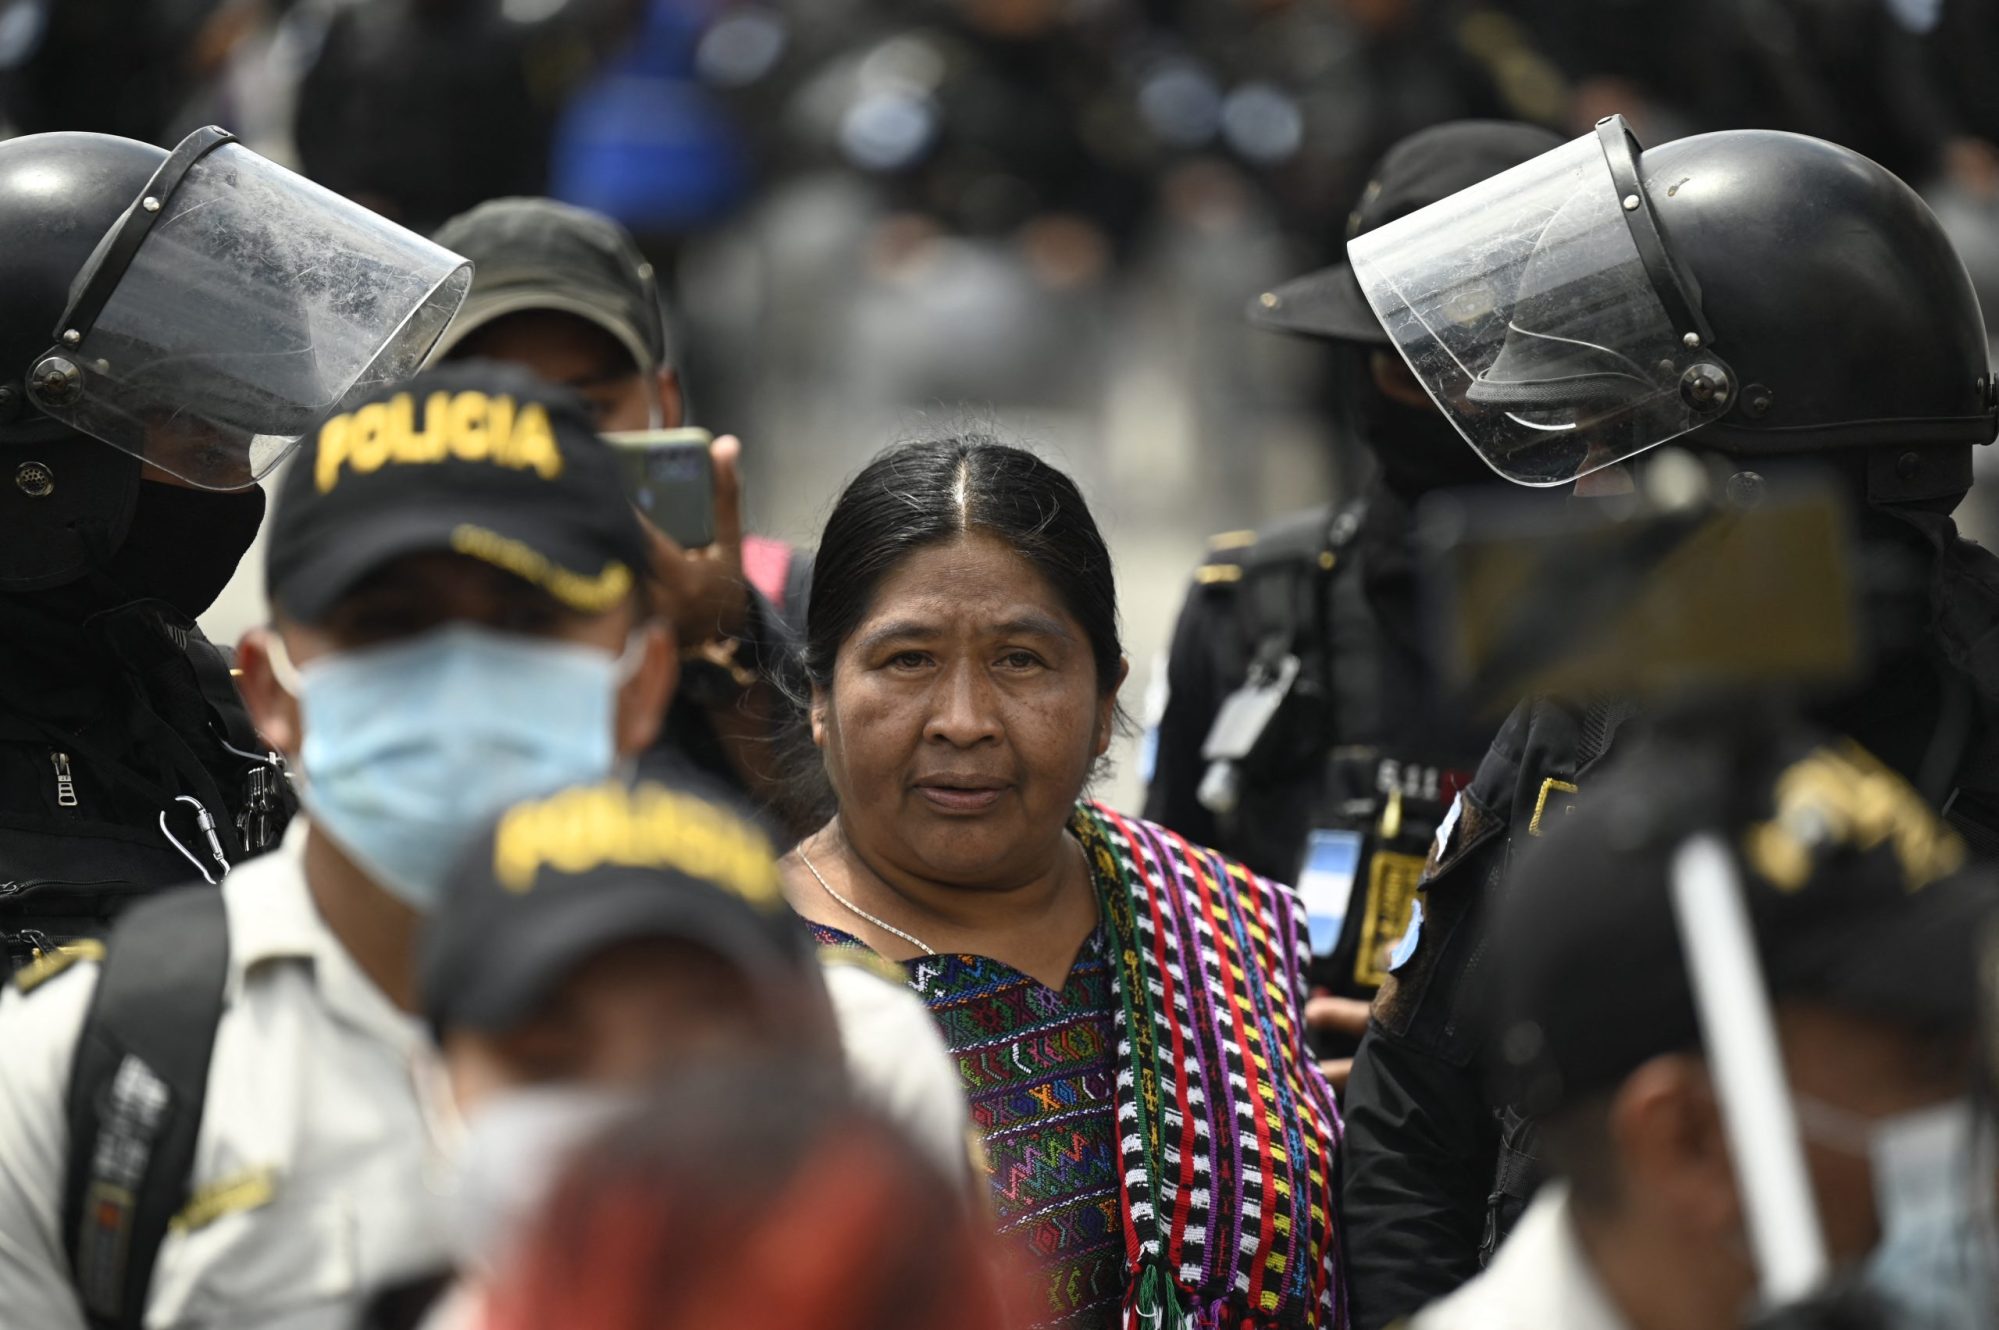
(1038, 1071)
(1159, 1138)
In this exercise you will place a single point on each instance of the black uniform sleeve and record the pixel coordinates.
(1420, 1142)
(1193, 696)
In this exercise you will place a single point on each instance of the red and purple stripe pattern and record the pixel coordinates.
(1227, 1131)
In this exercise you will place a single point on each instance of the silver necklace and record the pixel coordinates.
(857, 911)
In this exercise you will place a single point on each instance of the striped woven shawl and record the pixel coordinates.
(1227, 1132)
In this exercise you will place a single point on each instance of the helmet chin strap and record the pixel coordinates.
(1934, 477)
(66, 505)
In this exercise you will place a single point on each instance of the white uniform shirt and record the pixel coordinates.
(1540, 1280)
(899, 1063)
(316, 1123)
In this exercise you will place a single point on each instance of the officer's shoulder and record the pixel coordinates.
(1221, 566)
(38, 974)
(43, 1011)
(1304, 536)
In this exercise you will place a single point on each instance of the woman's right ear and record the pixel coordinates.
(817, 714)
(273, 710)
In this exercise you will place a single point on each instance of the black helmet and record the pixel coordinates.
(65, 500)
(1776, 293)
(198, 310)
(59, 196)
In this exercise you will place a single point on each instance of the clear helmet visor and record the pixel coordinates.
(1534, 319)
(256, 304)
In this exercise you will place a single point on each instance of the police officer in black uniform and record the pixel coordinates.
(170, 324)
(1764, 295)
(1299, 731)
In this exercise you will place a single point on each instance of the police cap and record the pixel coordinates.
(538, 254)
(562, 879)
(1429, 165)
(1858, 896)
(478, 459)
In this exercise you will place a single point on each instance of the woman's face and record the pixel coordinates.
(963, 718)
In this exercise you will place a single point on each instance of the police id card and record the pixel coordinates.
(1325, 885)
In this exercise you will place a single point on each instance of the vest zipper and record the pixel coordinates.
(65, 785)
(21, 886)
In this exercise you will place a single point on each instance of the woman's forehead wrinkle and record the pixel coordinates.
(1012, 621)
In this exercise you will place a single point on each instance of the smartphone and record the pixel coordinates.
(671, 478)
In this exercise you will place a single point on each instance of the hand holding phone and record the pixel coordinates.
(699, 586)
(669, 475)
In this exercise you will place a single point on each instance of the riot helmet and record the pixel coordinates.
(1776, 293)
(1415, 448)
(198, 310)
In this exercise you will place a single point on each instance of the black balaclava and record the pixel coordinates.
(1416, 448)
(85, 537)
(184, 544)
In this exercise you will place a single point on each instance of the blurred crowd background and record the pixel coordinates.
(879, 216)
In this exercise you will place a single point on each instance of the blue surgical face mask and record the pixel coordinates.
(1933, 1268)
(1933, 1180)
(411, 748)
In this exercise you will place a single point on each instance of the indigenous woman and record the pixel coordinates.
(1125, 1008)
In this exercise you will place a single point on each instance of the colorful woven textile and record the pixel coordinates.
(1228, 1132)
(1038, 1077)
(1224, 1132)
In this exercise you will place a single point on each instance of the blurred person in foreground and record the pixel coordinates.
(228, 1121)
(1867, 929)
(759, 1195)
(1569, 316)
(163, 345)
(1123, 1005)
(614, 936)
(567, 293)
(1342, 787)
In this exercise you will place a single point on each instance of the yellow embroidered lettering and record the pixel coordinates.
(368, 446)
(472, 427)
(534, 442)
(426, 444)
(517, 845)
(399, 428)
(1844, 796)
(470, 421)
(648, 828)
(499, 428)
(333, 437)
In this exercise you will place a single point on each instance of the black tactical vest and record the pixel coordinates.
(142, 771)
(1332, 744)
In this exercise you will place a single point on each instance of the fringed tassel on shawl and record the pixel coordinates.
(1156, 1302)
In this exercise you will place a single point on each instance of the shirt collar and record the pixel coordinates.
(273, 919)
(271, 914)
(1548, 1272)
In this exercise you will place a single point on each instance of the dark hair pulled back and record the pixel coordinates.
(929, 493)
